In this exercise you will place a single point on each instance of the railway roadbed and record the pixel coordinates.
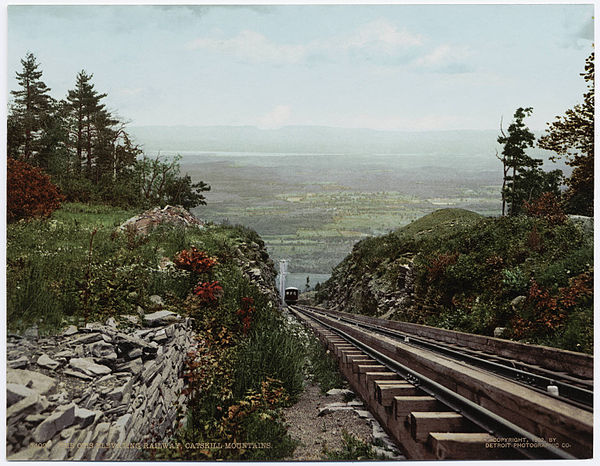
(437, 407)
(318, 422)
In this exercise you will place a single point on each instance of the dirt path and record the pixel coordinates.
(319, 432)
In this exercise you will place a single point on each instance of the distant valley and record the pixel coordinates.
(313, 192)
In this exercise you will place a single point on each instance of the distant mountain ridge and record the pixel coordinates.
(312, 139)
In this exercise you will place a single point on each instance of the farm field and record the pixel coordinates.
(311, 209)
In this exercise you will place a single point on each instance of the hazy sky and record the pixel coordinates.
(384, 67)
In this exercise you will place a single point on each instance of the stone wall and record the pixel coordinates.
(99, 392)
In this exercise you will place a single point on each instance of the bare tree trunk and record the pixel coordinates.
(89, 149)
(512, 202)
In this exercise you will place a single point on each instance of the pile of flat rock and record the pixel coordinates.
(146, 221)
(96, 392)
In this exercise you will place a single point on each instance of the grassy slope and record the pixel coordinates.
(468, 269)
(438, 221)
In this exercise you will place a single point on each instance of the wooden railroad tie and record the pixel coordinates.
(385, 391)
(404, 405)
(422, 423)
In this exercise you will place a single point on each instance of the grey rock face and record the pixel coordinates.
(518, 302)
(156, 301)
(87, 339)
(499, 331)
(32, 404)
(134, 353)
(70, 330)
(84, 417)
(135, 366)
(23, 361)
(340, 391)
(79, 375)
(103, 350)
(111, 322)
(16, 392)
(146, 221)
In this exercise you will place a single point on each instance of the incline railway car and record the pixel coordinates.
(291, 295)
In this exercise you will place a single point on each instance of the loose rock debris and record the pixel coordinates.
(317, 422)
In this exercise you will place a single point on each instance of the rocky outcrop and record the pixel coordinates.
(256, 264)
(382, 292)
(98, 392)
(146, 221)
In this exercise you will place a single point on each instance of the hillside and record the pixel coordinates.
(81, 271)
(523, 278)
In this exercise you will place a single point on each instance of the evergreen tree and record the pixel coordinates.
(181, 191)
(89, 120)
(524, 179)
(103, 141)
(30, 113)
(15, 135)
(53, 153)
(572, 136)
(88, 151)
(103, 149)
(76, 100)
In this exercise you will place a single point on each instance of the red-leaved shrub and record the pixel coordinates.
(245, 313)
(208, 292)
(194, 260)
(546, 206)
(30, 192)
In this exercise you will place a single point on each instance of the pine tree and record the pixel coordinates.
(76, 99)
(102, 135)
(524, 179)
(572, 136)
(31, 113)
(89, 118)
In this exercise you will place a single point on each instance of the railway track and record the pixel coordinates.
(443, 400)
(575, 389)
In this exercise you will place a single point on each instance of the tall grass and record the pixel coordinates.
(48, 282)
(271, 350)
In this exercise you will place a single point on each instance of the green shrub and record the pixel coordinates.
(468, 269)
(514, 280)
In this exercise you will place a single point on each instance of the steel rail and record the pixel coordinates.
(483, 418)
(580, 397)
